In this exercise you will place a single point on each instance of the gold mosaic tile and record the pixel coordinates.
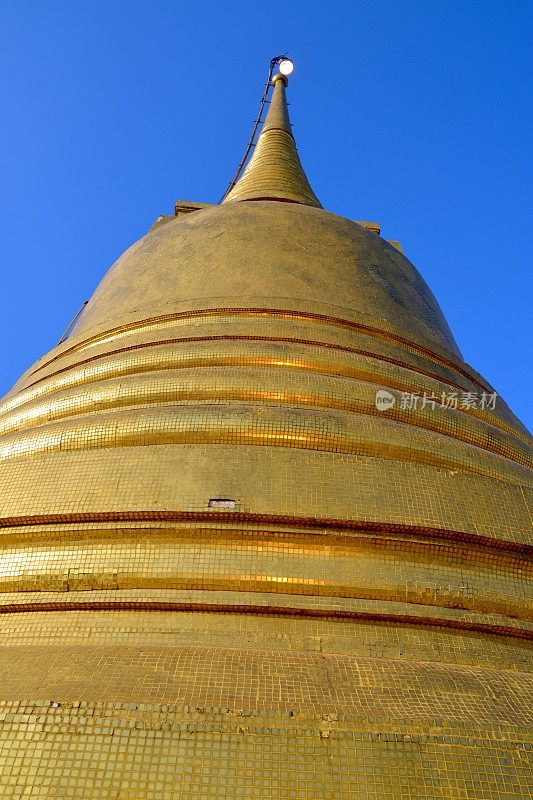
(225, 570)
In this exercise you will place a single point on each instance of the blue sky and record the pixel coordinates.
(416, 114)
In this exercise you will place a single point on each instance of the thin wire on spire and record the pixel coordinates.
(251, 143)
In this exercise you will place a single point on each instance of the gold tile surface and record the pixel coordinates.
(224, 571)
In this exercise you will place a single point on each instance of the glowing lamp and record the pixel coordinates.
(286, 66)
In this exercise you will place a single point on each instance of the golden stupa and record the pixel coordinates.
(264, 532)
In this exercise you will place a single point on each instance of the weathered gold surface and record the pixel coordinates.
(352, 620)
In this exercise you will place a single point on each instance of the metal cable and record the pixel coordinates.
(235, 178)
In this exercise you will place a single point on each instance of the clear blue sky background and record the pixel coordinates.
(411, 113)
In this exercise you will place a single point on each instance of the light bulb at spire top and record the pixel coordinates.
(286, 66)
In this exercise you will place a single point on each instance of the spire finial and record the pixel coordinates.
(275, 172)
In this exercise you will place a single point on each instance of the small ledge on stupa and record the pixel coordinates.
(187, 206)
(375, 227)
(180, 207)
(395, 244)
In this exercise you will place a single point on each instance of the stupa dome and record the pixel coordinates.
(265, 254)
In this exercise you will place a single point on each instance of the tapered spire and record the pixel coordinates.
(275, 172)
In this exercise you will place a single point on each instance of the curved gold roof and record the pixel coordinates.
(223, 564)
(272, 255)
